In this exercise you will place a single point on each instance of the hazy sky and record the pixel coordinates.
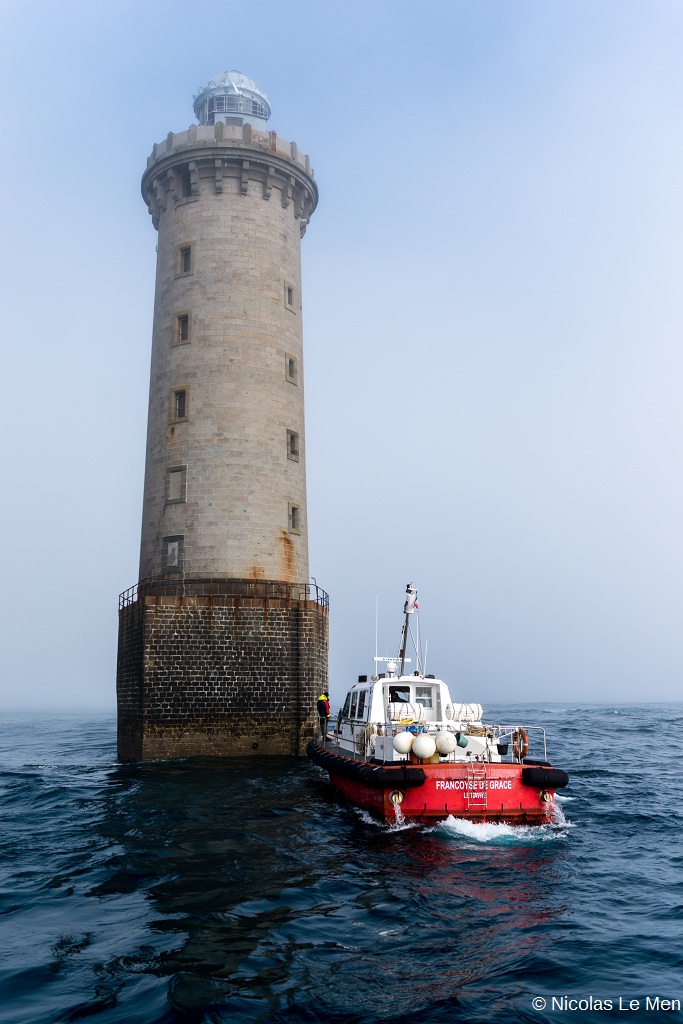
(492, 325)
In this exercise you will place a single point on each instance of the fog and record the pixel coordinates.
(492, 325)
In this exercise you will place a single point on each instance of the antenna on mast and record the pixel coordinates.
(408, 609)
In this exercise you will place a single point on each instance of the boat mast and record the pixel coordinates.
(408, 609)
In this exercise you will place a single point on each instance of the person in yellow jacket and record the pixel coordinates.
(323, 713)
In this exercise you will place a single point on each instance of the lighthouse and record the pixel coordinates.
(223, 640)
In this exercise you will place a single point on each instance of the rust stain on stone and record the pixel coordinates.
(257, 572)
(287, 556)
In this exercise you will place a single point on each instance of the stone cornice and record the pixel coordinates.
(213, 156)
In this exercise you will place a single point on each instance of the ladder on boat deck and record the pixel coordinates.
(477, 786)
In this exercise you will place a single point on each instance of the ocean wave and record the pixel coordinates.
(176, 893)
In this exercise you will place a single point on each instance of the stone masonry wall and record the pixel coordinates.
(219, 676)
(129, 680)
(236, 204)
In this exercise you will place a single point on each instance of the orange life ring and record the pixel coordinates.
(520, 743)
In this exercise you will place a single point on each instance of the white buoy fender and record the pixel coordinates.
(445, 742)
(424, 746)
(403, 741)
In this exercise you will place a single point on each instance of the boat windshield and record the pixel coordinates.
(399, 694)
(423, 696)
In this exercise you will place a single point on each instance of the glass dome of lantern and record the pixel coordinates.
(232, 98)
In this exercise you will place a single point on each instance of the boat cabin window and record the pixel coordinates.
(399, 694)
(424, 696)
(354, 703)
(347, 705)
(360, 713)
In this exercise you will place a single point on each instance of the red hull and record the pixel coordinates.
(490, 792)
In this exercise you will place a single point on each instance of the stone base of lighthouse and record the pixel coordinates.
(219, 668)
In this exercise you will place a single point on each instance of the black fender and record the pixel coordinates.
(376, 776)
(544, 778)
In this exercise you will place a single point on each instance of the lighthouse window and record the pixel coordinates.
(184, 257)
(221, 104)
(182, 329)
(294, 518)
(176, 485)
(179, 404)
(224, 103)
(293, 445)
(172, 554)
(289, 296)
(291, 370)
(186, 184)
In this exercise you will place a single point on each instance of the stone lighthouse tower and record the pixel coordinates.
(223, 642)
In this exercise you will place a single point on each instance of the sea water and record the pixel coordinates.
(222, 892)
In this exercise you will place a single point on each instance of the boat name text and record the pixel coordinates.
(477, 784)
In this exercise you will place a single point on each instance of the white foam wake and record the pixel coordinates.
(501, 832)
(395, 826)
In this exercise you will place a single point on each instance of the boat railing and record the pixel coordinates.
(359, 737)
(501, 731)
(361, 740)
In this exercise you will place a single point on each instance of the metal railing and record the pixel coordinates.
(496, 733)
(210, 587)
(508, 731)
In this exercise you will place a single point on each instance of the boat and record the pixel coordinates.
(402, 748)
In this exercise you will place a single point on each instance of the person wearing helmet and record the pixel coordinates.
(323, 713)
